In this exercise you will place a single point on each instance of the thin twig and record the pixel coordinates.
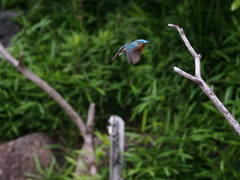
(20, 58)
(198, 79)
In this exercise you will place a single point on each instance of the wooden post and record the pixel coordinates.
(116, 131)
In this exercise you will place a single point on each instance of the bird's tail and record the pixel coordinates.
(120, 51)
(114, 57)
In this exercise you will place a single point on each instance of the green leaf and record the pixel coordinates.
(235, 5)
(144, 120)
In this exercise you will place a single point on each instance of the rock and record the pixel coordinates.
(8, 27)
(17, 156)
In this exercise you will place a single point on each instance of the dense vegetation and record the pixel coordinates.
(70, 43)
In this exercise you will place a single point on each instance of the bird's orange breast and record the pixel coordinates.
(141, 46)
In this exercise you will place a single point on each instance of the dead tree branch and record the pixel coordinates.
(198, 79)
(86, 130)
(88, 159)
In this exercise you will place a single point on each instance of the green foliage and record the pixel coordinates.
(66, 171)
(196, 154)
(70, 45)
(55, 172)
(235, 5)
(47, 173)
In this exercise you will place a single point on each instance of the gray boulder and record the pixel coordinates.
(17, 156)
(8, 27)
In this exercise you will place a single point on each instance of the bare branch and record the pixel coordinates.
(185, 40)
(90, 120)
(186, 75)
(47, 88)
(8, 57)
(86, 130)
(198, 79)
(88, 159)
(196, 56)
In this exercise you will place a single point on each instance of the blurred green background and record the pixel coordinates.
(176, 131)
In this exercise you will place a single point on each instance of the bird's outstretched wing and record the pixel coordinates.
(129, 48)
(136, 55)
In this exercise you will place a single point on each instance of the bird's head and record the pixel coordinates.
(142, 41)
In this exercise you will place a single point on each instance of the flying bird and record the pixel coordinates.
(133, 50)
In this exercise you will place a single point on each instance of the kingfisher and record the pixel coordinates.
(133, 50)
